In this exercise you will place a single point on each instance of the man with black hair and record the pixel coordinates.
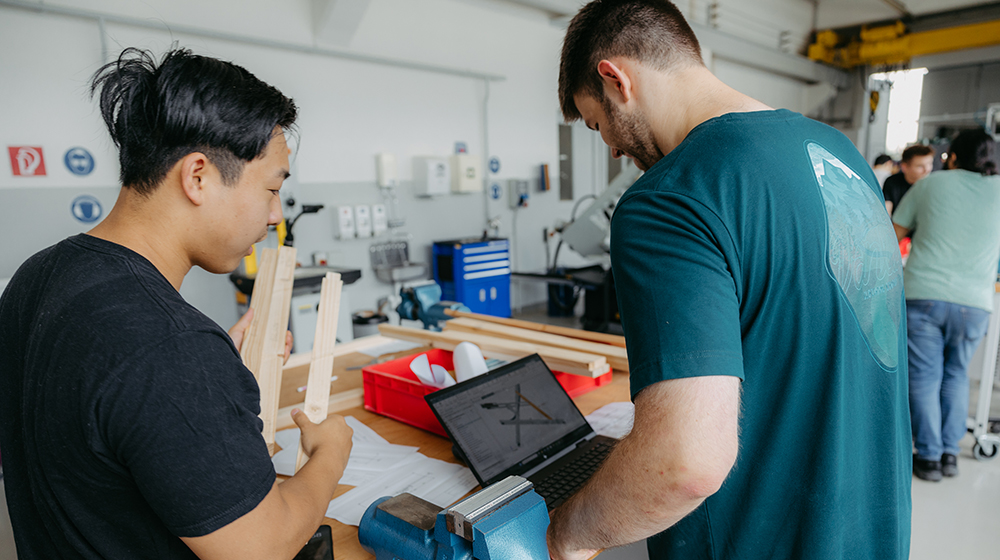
(883, 168)
(917, 162)
(760, 290)
(128, 423)
(949, 278)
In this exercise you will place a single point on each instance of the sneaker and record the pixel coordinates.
(949, 465)
(927, 470)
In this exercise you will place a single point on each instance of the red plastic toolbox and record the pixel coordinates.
(392, 390)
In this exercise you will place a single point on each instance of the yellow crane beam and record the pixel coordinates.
(891, 44)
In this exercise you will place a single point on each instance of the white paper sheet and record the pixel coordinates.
(613, 420)
(377, 468)
(436, 481)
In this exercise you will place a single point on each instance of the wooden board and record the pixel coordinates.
(561, 359)
(260, 303)
(602, 338)
(337, 402)
(616, 356)
(321, 367)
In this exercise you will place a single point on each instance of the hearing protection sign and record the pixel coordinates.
(87, 209)
(26, 161)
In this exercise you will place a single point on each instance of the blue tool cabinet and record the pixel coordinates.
(475, 272)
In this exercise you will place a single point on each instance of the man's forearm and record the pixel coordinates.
(308, 493)
(683, 444)
(619, 505)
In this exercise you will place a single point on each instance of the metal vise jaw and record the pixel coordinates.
(506, 521)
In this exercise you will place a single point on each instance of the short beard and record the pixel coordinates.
(633, 133)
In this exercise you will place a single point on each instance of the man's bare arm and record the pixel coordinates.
(292, 511)
(901, 232)
(683, 444)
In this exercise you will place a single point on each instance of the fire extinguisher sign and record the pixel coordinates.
(26, 161)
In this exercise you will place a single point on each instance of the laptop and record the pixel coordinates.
(518, 420)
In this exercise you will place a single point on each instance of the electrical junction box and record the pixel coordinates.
(466, 174)
(380, 220)
(345, 222)
(385, 170)
(519, 193)
(363, 220)
(431, 176)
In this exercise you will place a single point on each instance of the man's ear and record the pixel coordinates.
(194, 171)
(617, 83)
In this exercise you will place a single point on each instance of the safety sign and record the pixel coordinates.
(496, 191)
(26, 161)
(87, 209)
(79, 161)
(495, 165)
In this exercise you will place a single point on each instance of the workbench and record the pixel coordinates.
(348, 372)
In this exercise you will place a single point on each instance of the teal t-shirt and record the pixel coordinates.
(955, 216)
(760, 248)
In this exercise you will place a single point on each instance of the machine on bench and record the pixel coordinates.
(506, 521)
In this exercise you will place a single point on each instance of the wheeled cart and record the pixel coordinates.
(987, 443)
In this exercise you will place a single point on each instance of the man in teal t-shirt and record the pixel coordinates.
(949, 278)
(760, 289)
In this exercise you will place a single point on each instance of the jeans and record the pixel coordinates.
(941, 338)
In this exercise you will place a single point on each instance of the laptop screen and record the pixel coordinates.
(509, 419)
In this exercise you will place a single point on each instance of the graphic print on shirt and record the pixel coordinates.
(862, 252)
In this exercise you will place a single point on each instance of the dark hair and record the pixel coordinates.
(975, 151)
(653, 32)
(882, 158)
(916, 150)
(158, 114)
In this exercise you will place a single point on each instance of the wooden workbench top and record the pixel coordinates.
(345, 537)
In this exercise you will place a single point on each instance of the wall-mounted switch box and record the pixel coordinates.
(519, 192)
(431, 176)
(385, 170)
(363, 220)
(345, 222)
(380, 221)
(466, 173)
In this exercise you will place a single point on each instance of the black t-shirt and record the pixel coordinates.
(894, 188)
(127, 419)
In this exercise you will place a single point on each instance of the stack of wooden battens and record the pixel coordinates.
(563, 349)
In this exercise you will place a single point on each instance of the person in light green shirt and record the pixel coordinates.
(949, 284)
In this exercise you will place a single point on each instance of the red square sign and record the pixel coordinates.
(26, 161)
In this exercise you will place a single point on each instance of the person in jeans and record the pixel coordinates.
(948, 281)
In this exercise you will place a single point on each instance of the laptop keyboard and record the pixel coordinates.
(560, 485)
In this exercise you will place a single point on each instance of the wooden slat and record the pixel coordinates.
(337, 402)
(616, 356)
(260, 303)
(321, 368)
(603, 338)
(561, 359)
(269, 343)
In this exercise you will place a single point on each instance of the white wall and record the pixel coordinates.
(349, 112)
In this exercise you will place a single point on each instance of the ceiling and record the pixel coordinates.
(829, 14)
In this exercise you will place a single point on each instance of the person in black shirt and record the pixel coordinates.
(128, 422)
(917, 162)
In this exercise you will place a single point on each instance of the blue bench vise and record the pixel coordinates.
(505, 521)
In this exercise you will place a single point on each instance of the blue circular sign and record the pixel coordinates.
(79, 161)
(495, 191)
(87, 209)
(495, 165)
